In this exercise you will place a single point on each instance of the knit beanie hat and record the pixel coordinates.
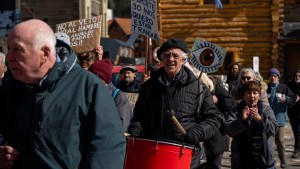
(172, 43)
(103, 69)
(274, 71)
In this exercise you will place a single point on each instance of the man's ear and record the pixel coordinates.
(46, 54)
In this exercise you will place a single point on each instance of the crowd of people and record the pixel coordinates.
(61, 110)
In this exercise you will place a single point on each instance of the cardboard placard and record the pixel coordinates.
(144, 18)
(132, 98)
(84, 33)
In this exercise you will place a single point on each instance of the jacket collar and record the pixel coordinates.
(184, 76)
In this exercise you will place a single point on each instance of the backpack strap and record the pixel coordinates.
(115, 92)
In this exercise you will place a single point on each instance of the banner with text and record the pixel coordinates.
(144, 18)
(84, 33)
(132, 98)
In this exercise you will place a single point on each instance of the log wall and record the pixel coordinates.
(248, 27)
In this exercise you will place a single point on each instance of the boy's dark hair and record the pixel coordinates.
(251, 86)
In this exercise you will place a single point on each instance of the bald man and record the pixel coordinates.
(53, 113)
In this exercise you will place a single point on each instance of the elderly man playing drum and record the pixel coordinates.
(174, 94)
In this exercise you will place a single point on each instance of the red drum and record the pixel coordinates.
(150, 154)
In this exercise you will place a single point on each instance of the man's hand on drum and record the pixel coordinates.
(135, 129)
(191, 137)
(7, 156)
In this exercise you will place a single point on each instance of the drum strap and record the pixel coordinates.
(200, 101)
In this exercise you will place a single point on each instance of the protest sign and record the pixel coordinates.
(144, 18)
(132, 98)
(255, 63)
(207, 57)
(84, 33)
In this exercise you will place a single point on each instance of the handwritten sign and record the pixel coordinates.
(132, 98)
(144, 18)
(84, 33)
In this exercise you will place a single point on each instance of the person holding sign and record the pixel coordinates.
(53, 113)
(88, 58)
(173, 92)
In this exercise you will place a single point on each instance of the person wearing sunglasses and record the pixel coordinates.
(280, 97)
(245, 75)
(88, 58)
(253, 126)
(294, 113)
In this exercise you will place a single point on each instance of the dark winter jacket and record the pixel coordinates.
(280, 109)
(68, 121)
(133, 87)
(294, 111)
(122, 104)
(182, 95)
(218, 143)
(232, 83)
(242, 133)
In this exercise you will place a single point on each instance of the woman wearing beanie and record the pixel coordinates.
(280, 97)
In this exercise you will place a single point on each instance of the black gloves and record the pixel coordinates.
(191, 137)
(135, 129)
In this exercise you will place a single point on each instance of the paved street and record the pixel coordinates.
(289, 140)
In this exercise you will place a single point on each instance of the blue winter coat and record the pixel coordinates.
(280, 109)
(69, 121)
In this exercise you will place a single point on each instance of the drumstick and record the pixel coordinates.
(170, 113)
(179, 126)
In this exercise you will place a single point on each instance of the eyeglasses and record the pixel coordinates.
(169, 54)
(245, 77)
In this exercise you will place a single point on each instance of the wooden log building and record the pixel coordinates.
(246, 28)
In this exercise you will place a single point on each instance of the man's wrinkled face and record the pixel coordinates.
(297, 77)
(173, 61)
(234, 70)
(128, 76)
(274, 78)
(23, 58)
(2, 67)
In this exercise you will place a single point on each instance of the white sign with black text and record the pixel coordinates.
(144, 18)
(255, 63)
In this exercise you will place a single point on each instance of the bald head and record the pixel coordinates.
(31, 50)
(37, 33)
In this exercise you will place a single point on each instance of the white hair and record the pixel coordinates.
(184, 55)
(3, 57)
(204, 78)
